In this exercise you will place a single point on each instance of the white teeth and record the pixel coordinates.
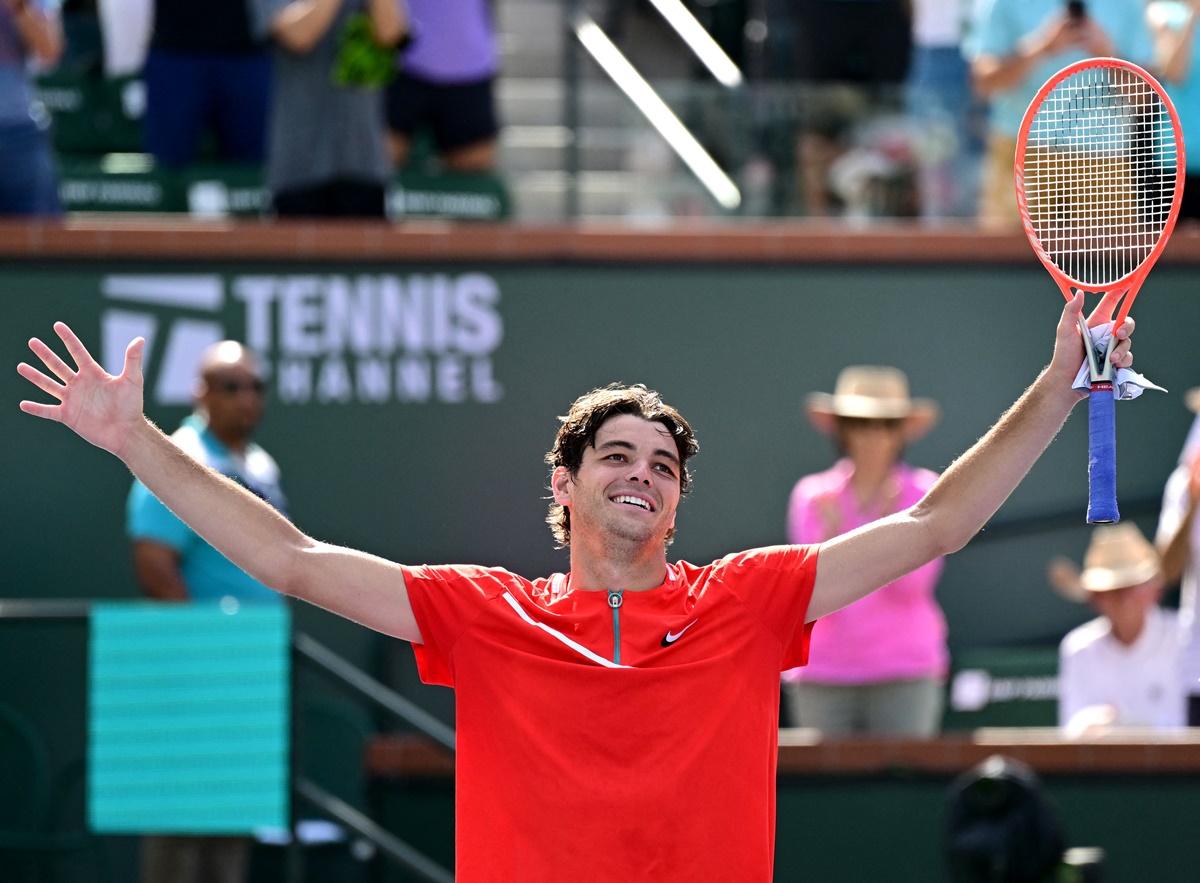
(636, 501)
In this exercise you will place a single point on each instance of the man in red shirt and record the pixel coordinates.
(619, 722)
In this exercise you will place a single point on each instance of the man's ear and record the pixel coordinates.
(560, 485)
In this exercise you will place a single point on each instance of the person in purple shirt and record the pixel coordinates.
(877, 666)
(30, 31)
(445, 84)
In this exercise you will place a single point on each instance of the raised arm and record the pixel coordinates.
(999, 73)
(107, 412)
(973, 488)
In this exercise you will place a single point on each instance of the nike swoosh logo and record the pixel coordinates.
(671, 637)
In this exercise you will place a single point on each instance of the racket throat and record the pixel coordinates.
(1100, 367)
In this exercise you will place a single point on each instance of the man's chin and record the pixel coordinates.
(635, 534)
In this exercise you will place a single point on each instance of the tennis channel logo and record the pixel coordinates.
(324, 339)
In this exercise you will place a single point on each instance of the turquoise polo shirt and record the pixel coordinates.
(999, 25)
(208, 575)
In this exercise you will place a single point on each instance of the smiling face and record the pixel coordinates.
(627, 487)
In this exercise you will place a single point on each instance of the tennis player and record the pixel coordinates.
(617, 723)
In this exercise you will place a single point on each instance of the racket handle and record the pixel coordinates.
(1102, 455)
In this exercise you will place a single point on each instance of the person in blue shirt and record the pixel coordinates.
(172, 563)
(1014, 47)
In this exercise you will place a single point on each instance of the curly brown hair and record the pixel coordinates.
(587, 414)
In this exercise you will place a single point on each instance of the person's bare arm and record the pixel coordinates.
(41, 32)
(389, 23)
(972, 489)
(156, 569)
(993, 73)
(107, 412)
(301, 24)
(1173, 48)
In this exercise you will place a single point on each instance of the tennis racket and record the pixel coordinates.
(1099, 173)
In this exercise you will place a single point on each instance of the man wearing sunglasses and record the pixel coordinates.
(172, 563)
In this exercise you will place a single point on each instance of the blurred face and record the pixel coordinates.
(627, 487)
(1126, 608)
(232, 393)
(871, 443)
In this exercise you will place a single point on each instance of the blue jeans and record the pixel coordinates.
(28, 175)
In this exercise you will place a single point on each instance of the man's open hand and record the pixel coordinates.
(101, 408)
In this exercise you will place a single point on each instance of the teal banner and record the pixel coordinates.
(188, 718)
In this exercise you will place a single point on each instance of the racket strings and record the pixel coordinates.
(1099, 174)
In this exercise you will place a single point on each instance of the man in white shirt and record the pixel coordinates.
(1123, 668)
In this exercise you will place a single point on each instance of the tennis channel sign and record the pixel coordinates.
(367, 338)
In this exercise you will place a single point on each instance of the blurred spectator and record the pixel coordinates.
(445, 85)
(939, 98)
(1122, 668)
(1173, 24)
(172, 563)
(876, 666)
(205, 73)
(126, 27)
(30, 31)
(851, 57)
(332, 59)
(1014, 48)
(1178, 539)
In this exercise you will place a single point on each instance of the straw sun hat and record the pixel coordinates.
(871, 392)
(1118, 557)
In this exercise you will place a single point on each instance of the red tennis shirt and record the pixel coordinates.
(573, 767)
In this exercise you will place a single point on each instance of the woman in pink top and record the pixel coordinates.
(877, 666)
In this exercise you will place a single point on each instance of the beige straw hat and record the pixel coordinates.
(871, 392)
(1118, 556)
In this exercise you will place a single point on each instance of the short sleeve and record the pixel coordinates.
(776, 583)
(989, 34)
(148, 519)
(1135, 40)
(445, 600)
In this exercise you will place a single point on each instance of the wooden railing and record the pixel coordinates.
(779, 243)
(804, 753)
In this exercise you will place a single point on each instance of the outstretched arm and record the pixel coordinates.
(975, 485)
(107, 412)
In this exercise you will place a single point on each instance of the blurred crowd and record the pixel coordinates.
(898, 108)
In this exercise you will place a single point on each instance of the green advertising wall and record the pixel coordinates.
(411, 405)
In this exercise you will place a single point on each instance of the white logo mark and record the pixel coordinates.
(672, 637)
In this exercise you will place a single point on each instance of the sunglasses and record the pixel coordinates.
(233, 387)
(889, 423)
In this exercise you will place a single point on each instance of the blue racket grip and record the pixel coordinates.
(1102, 455)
